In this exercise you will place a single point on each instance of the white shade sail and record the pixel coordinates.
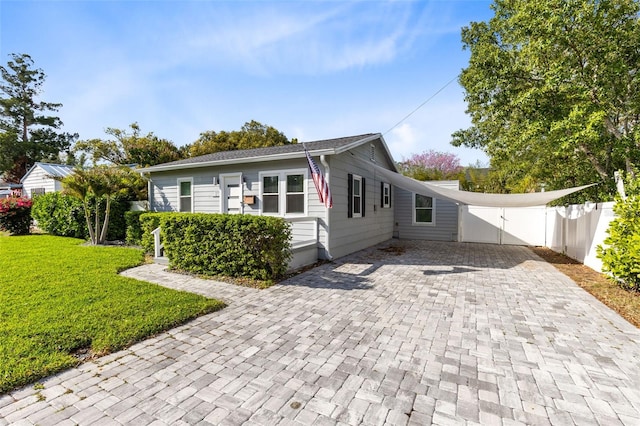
(473, 198)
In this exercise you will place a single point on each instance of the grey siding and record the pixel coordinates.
(445, 227)
(207, 195)
(348, 235)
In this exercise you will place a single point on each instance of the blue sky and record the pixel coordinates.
(311, 69)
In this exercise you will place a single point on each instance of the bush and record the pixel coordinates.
(134, 227)
(63, 215)
(15, 215)
(59, 214)
(149, 222)
(621, 253)
(255, 247)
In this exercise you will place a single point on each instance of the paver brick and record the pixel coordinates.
(373, 338)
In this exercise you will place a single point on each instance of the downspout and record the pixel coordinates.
(327, 175)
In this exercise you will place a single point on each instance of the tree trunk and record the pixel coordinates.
(105, 225)
(97, 223)
(88, 219)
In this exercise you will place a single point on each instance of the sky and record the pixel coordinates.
(312, 69)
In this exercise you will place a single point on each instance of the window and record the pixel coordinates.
(185, 198)
(295, 193)
(37, 191)
(423, 210)
(270, 194)
(284, 192)
(385, 197)
(356, 192)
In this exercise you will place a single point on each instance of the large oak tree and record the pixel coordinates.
(27, 132)
(553, 90)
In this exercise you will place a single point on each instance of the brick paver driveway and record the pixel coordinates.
(440, 333)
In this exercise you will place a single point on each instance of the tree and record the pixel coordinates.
(252, 135)
(129, 148)
(95, 185)
(27, 133)
(553, 91)
(432, 165)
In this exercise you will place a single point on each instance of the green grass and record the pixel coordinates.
(58, 297)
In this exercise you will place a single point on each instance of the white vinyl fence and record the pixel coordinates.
(575, 230)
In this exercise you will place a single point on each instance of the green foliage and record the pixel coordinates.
(60, 214)
(252, 135)
(620, 253)
(249, 246)
(149, 222)
(27, 134)
(134, 227)
(61, 297)
(15, 215)
(63, 215)
(106, 184)
(130, 148)
(552, 89)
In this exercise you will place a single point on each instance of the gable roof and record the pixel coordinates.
(283, 152)
(53, 170)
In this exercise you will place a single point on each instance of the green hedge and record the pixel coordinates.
(149, 222)
(60, 214)
(620, 254)
(134, 227)
(249, 246)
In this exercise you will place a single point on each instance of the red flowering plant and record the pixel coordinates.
(15, 215)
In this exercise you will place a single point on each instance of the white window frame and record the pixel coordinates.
(282, 191)
(179, 196)
(413, 211)
(386, 199)
(353, 196)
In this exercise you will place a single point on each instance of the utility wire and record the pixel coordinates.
(420, 106)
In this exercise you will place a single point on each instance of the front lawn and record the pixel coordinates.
(59, 298)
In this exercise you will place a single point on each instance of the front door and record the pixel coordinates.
(231, 193)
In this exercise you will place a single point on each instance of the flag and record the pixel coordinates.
(321, 185)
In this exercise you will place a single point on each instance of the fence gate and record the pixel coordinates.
(503, 225)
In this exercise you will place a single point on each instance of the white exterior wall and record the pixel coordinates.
(38, 178)
(445, 226)
(349, 235)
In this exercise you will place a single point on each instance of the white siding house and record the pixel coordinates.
(40, 178)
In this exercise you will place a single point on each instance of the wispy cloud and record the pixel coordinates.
(303, 38)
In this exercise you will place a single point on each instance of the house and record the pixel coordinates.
(8, 189)
(40, 178)
(368, 208)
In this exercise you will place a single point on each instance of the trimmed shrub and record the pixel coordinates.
(149, 222)
(249, 246)
(15, 215)
(620, 253)
(134, 228)
(63, 215)
(60, 214)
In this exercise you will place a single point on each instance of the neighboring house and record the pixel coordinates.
(10, 189)
(367, 207)
(40, 178)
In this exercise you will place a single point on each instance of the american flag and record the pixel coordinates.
(324, 193)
